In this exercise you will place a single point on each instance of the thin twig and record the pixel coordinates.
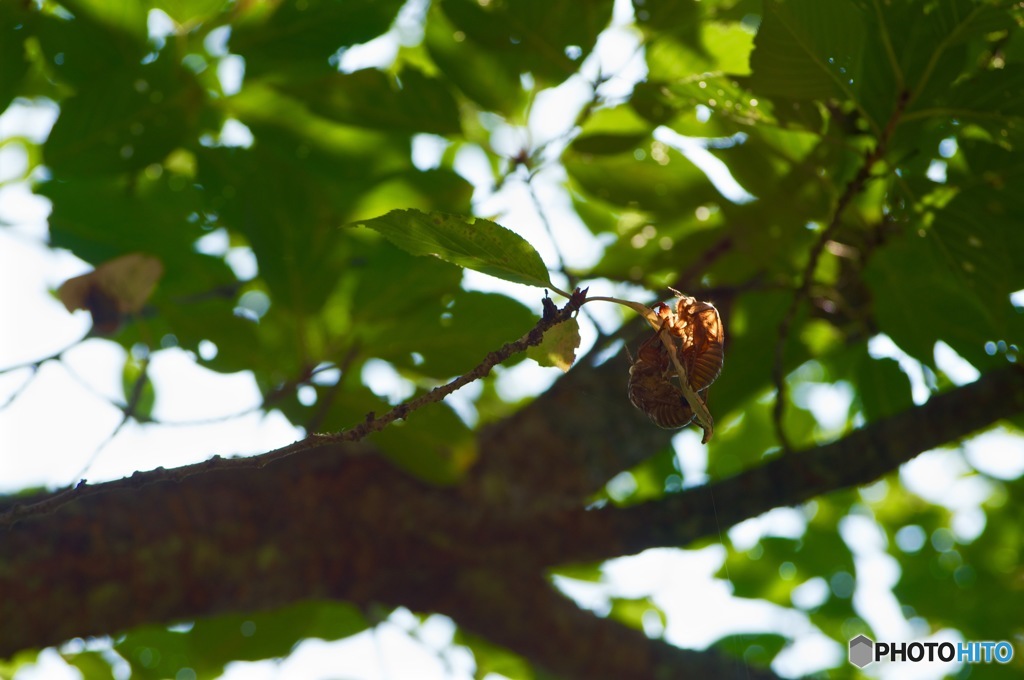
(36, 363)
(539, 209)
(370, 425)
(33, 372)
(854, 187)
(128, 412)
(533, 337)
(313, 424)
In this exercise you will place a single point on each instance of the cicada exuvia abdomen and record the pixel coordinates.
(704, 353)
(697, 331)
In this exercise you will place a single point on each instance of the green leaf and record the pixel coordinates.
(548, 38)
(191, 11)
(559, 346)
(650, 176)
(757, 649)
(725, 107)
(92, 665)
(77, 49)
(473, 243)
(488, 80)
(749, 358)
(126, 121)
(288, 208)
(12, 53)
(807, 49)
(127, 16)
(428, 190)
(450, 340)
(631, 611)
(993, 100)
(26, 658)
(611, 131)
(156, 653)
(771, 156)
(744, 442)
(101, 218)
(491, 659)
(410, 101)
(297, 38)
(882, 387)
(433, 445)
(719, 48)
(139, 394)
(589, 572)
(978, 572)
(411, 312)
(668, 16)
(348, 158)
(920, 299)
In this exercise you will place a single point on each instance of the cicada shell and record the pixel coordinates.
(656, 393)
(653, 384)
(704, 341)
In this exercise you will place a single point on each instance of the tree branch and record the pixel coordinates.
(854, 187)
(371, 424)
(165, 546)
(174, 547)
(861, 457)
(566, 640)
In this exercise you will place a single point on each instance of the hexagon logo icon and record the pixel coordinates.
(861, 651)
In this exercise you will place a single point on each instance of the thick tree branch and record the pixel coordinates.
(198, 541)
(567, 640)
(859, 458)
(169, 546)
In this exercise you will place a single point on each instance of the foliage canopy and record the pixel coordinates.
(877, 144)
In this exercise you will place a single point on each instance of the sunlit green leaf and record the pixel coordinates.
(128, 16)
(632, 612)
(491, 659)
(473, 243)
(138, 390)
(92, 665)
(187, 12)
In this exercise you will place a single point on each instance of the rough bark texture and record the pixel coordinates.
(337, 521)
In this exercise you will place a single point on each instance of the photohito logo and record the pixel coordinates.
(864, 650)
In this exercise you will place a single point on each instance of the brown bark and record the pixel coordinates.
(337, 521)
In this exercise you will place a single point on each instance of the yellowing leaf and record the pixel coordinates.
(113, 290)
(558, 347)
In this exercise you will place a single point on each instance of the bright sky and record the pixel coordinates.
(80, 388)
